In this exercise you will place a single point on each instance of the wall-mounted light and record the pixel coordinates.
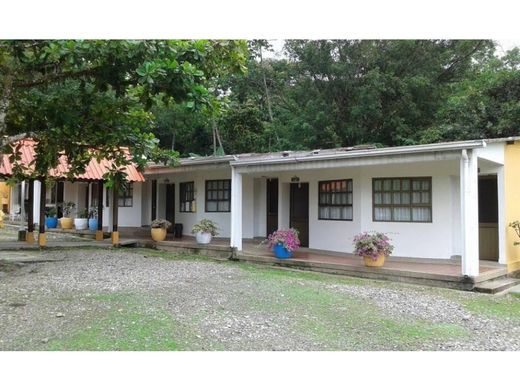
(166, 181)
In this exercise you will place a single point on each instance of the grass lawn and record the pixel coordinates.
(168, 301)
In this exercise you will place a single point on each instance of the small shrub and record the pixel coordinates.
(205, 226)
(51, 212)
(287, 237)
(68, 208)
(372, 245)
(83, 213)
(161, 224)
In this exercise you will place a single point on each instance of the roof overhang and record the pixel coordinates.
(383, 156)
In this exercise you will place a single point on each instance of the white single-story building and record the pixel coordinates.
(442, 201)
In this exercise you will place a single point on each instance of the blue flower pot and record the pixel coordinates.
(51, 222)
(92, 224)
(280, 252)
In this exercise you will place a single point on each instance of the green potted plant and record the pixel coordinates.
(204, 231)
(66, 221)
(51, 221)
(92, 219)
(374, 247)
(81, 221)
(159, 229)
(516, 227)
(283, 242)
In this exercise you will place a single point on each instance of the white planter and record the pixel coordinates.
(81, 223)
(203, 238)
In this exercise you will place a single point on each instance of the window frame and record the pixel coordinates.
(182, 196)
(127, 193)
(411, 205)
(228, 199)
(320, 204)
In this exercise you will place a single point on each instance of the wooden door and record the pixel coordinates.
(60, 190)
(170, 205)
(272, 206)
(154, 200)
(488, 217)
(299, 211)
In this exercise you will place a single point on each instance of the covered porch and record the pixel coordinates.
(431, 272)
(439, 235)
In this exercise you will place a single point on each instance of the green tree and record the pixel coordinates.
(88, 99)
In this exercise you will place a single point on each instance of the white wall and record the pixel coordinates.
(127, 216)
(199, 177)
(438, 239)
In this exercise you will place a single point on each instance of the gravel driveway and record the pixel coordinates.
(149, 300)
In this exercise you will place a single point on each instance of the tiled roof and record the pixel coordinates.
(94, 171)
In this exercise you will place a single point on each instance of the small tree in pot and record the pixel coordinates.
(374, 247)
(159, 228)
(204, 231)
(51, 221)
(81, 222)
(67, 222)
(92, 219)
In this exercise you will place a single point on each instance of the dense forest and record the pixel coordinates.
(331, 93)
(165, 98)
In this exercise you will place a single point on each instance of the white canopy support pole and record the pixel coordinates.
(469, 213)
(236, 209)
(501, 216)
(36, 200)
(22, 202)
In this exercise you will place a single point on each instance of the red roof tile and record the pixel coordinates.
(94, 171)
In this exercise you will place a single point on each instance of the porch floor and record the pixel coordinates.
(442, 272)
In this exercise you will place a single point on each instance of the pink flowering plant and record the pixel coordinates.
(372, 245)
(287, 237)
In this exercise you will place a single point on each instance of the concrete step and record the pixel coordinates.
(497, 285)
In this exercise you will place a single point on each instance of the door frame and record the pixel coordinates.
(292, 185)
(166, 202)
(267, 203)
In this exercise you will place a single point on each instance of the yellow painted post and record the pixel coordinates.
(115, 214)
(115, 238)
(29, 237)
(512, 202)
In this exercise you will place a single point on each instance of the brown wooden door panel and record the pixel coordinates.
(272, 206)
(488, 217)
(170, 205)
(299, 211)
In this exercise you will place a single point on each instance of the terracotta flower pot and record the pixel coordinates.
(66, 223)
(158, 234)
(370, 262)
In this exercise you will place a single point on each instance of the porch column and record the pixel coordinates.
(41, 223)
(36, 200)
(284, 204)
(99, 231)
(115, 212)
(236, 209)
(502, 226)
(29, 237)
(469, 213)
